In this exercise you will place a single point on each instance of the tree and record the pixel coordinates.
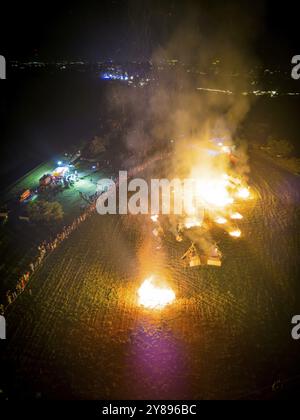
(45, 211)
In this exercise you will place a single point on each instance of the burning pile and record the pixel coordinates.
(155, 294)
(217, 191)
(210, 200)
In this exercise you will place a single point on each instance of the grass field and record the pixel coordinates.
(78, 332)
(19, 239)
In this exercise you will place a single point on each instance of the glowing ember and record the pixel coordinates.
(243, 193)
(221, 220)
(153, 295)
(235, 233)
(192, 222)
(236, 216)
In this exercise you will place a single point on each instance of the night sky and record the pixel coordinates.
(125, 30)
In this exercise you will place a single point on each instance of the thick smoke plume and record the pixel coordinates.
(199, 74)
(173, 106)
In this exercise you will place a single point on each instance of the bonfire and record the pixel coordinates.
(155, 293)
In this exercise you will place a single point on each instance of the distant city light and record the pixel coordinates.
(114, 76)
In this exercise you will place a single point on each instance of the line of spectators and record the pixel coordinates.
(44, 249)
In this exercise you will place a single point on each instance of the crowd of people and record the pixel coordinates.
(44, 249)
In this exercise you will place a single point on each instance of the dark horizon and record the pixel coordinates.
(125, 30)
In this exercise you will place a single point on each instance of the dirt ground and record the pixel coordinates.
(78, 333)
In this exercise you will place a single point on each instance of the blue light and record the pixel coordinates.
(59, 162)
(114, 76)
